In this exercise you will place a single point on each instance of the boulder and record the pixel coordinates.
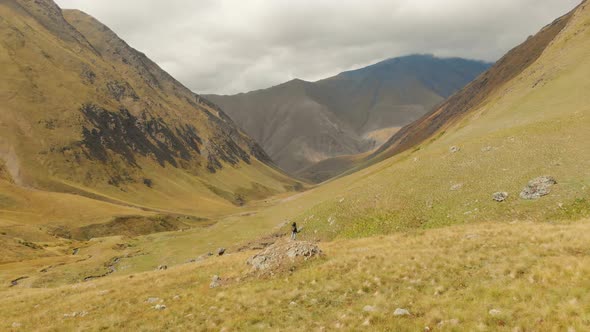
(494, 312)
(500, 196)
(215, 282)
(456, 187)
(538, 187)
(401, 312)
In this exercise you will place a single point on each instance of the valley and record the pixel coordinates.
(127, 202)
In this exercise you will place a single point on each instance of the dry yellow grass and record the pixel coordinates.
(449, 279)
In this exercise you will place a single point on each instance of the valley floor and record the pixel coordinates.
(504, 276)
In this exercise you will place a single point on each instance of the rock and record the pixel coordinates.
(152, 300)
(500, 196)
(76, 314)
(369, 308)
(456, 187)
(160, 306)
(176, 297)
(220, 251)
(283, 252)
(454, 149)
(162, 267)
(293, 303)
(538, 187)
(486, 149)
(367, 322)
(215, 282)
(331, 220)
(494, 312)
(453, 321)
(16, 325)
(401, 312)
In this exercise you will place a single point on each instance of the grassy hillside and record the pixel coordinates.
(83, 112)
(533, 125)
(487, 276)
(97, 141)
(417, 231)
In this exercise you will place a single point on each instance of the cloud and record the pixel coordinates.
(230, 46)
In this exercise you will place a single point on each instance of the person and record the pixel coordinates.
(294, 231)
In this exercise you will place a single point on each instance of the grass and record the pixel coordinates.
(395, 234)
(533, 273)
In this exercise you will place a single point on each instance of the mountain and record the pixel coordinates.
(450, 111)
(84, 114)
(301, 123)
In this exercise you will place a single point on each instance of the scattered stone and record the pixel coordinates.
(176, 297)
(538, 187)
(152, 300)
(486, 149)
(293, 303)
(283, 252)
(215, 282)
(427, 329)
(160, 306)
(401, 312)
(76, 314)
(369, 308)
(162, 267)
(454, 149)
(220, 251)
(456, 187)
(453, 321)
(16, 325)
(500, 196)
(367, 322)
(494, 312)
(331, 220)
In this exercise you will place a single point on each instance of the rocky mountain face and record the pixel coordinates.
(301, 123)
(83, 111)
(507, 68)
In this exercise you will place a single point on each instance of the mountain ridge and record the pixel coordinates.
(86, 113)
(349, 113)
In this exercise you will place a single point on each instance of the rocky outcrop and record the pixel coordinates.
(538, 187)
(284, 254)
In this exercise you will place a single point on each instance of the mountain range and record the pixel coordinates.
(300, 123)
(129, 203)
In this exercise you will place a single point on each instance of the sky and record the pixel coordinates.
(232, 46)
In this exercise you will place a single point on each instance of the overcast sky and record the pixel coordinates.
(230, 46)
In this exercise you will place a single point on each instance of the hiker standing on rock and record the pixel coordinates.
(294, 231)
